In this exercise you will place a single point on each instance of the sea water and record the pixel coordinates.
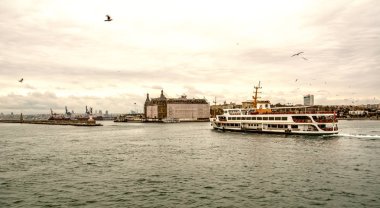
(187, 165)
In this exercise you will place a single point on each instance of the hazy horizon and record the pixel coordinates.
(69, 56)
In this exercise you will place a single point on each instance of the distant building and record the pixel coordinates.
(308, 100)
(358, 113)
(261, 104)
(181, 108)
(247, 104)
(218, 109)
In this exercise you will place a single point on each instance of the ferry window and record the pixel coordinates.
(294, 126)
(242, 118)
(229, 118)
(233, 118)
(265, 118)
(248, 118)
(225, 111)
(280, 126)
(253, 118)
(259, 118)
(235, 112)
(266, 105)
(238, 118)
(284, 118)
(277, 118)
(271, 118)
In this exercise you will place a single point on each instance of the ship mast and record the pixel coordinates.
(255, 97)
(214, 111)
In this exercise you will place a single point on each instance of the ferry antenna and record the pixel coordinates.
(255, 96)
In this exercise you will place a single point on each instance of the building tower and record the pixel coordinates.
(147, 101)
(308, 100)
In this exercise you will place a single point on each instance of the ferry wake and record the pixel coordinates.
(287, 120)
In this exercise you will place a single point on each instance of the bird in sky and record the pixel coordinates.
(305, 58)
(297, 54)
(22, 79)
(108, 18)
(296, 80)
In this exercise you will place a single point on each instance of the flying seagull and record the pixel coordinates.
(297, 54)
(108, 18)
(305, 59)
(22, 79)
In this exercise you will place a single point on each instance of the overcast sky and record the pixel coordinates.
(69, 56)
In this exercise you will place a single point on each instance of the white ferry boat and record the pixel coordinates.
(287, 120)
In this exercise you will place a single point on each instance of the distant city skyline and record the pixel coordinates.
(63, 53)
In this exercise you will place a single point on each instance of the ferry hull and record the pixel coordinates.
(219, 127)
(275, 132)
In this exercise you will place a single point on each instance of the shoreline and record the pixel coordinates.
(54, 122)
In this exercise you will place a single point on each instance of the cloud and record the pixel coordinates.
(65, 48)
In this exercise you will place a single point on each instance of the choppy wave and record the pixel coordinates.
(185, 165)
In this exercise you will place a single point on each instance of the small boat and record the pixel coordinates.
(261, 118)
(131, 118)
(170, 120)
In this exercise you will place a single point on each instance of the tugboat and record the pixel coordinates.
(261, 118)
